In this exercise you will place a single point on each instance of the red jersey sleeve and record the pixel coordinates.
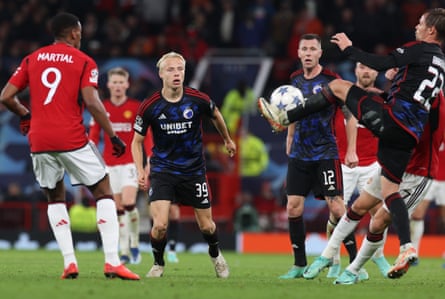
(94, 132)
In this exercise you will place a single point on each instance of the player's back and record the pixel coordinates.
(421, 79)
(55, 74)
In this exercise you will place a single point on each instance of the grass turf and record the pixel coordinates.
(35, 274)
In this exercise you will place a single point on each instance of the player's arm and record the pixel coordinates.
(97, 109)
(290, 137)
(351, 158)
(377, 62)
(220, 125)
(138, 158)
(8, 97)
(95, 106)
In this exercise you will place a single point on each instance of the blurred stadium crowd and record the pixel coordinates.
(146, 29)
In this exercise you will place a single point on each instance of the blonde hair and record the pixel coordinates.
(171, 54)
(118, 71)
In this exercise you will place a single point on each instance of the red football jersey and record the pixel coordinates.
(55, 74)
(441, 171)
(122, 119)
(366, 146)
(425, 158)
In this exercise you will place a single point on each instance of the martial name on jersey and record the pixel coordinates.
(55, 57)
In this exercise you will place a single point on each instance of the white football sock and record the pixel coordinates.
(364, 254)
(109, 229)
(344, 227)
(417, 227)
(330, 226)
(379, 252)
(133, 220)
(124, 234)
(59, 221)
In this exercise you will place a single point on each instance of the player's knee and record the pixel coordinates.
(160, 229)
(338, 89)
(208, 228)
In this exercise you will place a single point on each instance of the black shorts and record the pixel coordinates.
(323, 178)
(191, 191)
(397, 138)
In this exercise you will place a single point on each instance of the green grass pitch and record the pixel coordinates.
(35, 275)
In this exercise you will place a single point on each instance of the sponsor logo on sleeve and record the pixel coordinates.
(94, 76)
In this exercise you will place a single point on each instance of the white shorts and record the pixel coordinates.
(84, 166)
(413, 189)
(356, 177)
(437, 192)
(122, 176)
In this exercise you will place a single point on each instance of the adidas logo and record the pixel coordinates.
(101, 221)
(61, 222)
(331, 188)
(295, 246)
(162, 116)
(204, 201)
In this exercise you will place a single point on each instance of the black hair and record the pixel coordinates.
(311, 36)
(62, 22)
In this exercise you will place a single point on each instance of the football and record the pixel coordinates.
(286, 97)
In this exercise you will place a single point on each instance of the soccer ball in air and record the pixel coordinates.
(286, 97)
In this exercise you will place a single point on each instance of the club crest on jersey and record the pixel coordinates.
(128, 114)
(94, 75)
(316, 89)
(188, 113)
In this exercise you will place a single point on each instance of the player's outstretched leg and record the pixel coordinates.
(277, 118)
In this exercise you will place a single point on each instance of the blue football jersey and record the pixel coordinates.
(314, 137)
(177, 131)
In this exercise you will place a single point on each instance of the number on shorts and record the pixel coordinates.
(202, 190)
(51, 85)
(328, 176)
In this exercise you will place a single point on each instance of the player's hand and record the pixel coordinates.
(341, 40)
(391, 73)
(230, 147)
(118, 146)
(25, 124)
(351, 159)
